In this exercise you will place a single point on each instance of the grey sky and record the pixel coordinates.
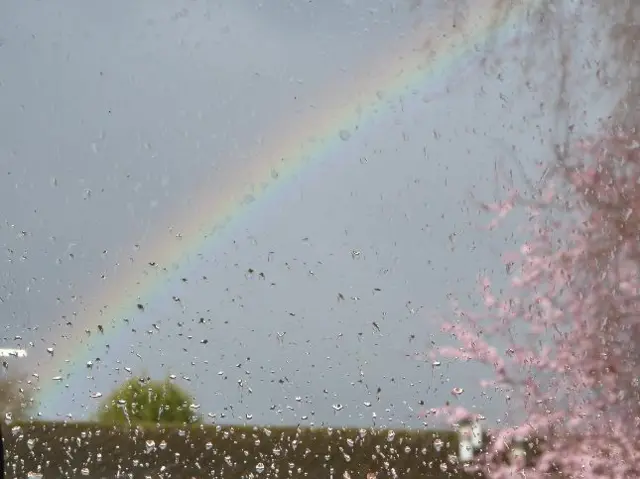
(112, 113)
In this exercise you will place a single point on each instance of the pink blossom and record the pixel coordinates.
(575, 287)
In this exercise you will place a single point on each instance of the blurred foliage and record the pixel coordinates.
(154, 451)
(15, 396)
(142, 400)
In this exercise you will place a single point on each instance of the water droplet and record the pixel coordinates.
(57, 378)
(367, 404)
(208, 446)
(337, 407)
(437, 444)
(350, 442)
(96, 395)
(259, 468)
(150, 444)
(30, 443)
(162, 445)
(391, 435)
(457, 391)
(85, 471)
(436, 363)
(443, 466)
(8, 418)
(345, 135)
(50, 351)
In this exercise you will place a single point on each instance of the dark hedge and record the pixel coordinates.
(93, 450)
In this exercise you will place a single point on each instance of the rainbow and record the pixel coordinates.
(424, 56)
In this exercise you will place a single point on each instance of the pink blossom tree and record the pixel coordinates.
(574, 287)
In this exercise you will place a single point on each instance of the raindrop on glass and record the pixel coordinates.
(150, 444)
(345, 135)
(437, 444)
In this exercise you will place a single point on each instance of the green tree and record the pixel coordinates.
(145, 400)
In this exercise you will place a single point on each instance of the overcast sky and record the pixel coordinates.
(111, 113)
